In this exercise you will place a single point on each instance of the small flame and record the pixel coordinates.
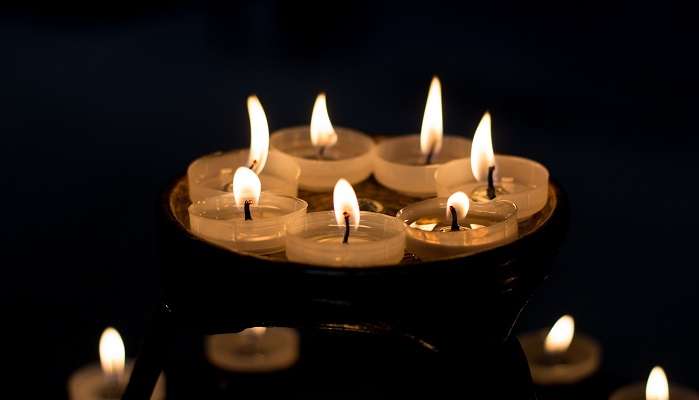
(246, 186)
(259, 135)
(345, 201)
(112, 353)
(432, 129)
(561, 334)
(482, 156)
(256, 330)
(461, 204)
(322, 132)
(656, 387)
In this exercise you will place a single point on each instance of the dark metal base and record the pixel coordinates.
(459, 311)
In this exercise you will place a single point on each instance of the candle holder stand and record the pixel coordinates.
(444, 325)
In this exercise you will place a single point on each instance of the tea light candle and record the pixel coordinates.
(486, 176)
(656, 388)
(324, 153)
(561, 356)
(346, 236)
(407, 163)
(466, 229)
(107, 380)
(254, 350)
(211, 175)
(246, 221)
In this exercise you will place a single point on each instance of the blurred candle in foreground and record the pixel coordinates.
(560, 356)
(256, 349)
(108, 379)
(656, 387)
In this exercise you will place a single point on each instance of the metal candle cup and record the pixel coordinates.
(429, 237)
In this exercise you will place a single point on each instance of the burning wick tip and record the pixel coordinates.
(454, 223)
(428, 161)
(347, 227)
(246, 208)
(252, 165)
(491, 185)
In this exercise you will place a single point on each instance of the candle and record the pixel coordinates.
(441, 227)
(246, 220)
(407, 163)
(346, 236)
(560, 356)
(257, 349)
(485, 176)
(656, 388)
(107, 380)
(211, 175)
(325, 153)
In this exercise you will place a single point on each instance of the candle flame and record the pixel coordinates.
(432, 129)
(345, 201)
(561, 334)
(256, 330)
(259, 135)
(657, 387)
(482, 156)
(461, 204)
(322, 132)
(246, 186)
(112, 353)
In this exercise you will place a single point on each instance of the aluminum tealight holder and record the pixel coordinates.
(220, 220)
(429, 237)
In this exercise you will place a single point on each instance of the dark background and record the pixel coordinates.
(103, 107)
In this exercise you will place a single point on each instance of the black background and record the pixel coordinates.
(103, 105)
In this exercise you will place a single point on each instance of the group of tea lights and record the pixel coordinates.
(560, 356)
(245, 200)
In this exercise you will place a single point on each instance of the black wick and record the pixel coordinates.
(454, 223)
(346, 237)
(491, 185)
(428, 161)
(321, 152)
(254, 162)
(246, 207)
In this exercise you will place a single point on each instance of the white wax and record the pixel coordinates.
(317, 239)
(90, 383)
(399, 164)
(350, 158)
(254, 349)
(525, 180)
(212, 175)
(495, 224)
(637, 391)
(219, 220)
(581, 359)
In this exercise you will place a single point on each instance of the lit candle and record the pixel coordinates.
(485, 176)
(211, 175)
(109, 379)
(257, 349)
(247, 220)
(325, 153)
(407, 163)
(346, 236)
(655, 388)
(560, 356)
(447, 227)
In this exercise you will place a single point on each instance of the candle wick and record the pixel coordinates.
(252, 165)
(246, 207)
(428, 161)
(321, 152)
(347, 227)
(454, 223)
(491, 185)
